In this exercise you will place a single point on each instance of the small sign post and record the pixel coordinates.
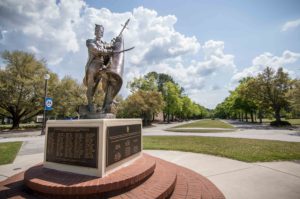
(48, 104)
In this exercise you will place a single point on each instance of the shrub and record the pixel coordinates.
(281, 123)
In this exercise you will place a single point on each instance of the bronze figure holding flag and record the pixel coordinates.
(105, 63)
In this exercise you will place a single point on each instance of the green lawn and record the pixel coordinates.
(247, 150)
(206, 124)
(191, 130)
(22, 126)
(294, 121)
(8, 151)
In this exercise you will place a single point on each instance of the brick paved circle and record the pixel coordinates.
(148, 177)
(53, 182)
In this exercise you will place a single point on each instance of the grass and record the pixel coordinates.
(199, 130)
(247, 150)
(22, 126)
(206, 124)
(294, 121)
(8, 151)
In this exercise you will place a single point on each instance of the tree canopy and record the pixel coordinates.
(21, 86)
(22, 89)
(269, 92)
(158, 92)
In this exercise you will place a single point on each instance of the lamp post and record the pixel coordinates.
(46, 77)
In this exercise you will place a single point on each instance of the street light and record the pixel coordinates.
(46, 77)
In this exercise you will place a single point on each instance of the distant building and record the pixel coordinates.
(39, 119)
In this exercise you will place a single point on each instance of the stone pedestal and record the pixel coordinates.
(95, 113)
(94, 147)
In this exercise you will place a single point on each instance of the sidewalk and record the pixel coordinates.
(238, 179)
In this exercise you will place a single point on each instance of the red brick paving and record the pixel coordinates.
(49, 181)
(148, 177)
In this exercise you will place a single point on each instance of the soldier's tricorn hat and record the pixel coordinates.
(99, 27)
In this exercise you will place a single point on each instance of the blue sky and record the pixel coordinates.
(207, 46)
(248, 28)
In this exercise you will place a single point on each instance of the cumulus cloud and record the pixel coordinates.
(215, 58)
(267, 59)
(290, 25)
(57, 31)
(44, 25)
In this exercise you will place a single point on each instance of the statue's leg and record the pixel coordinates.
(90, 91)
(109, 96)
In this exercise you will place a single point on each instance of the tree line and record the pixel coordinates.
(22, 94)
(269, 94)
(158, 92)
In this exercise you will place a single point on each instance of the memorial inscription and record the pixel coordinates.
(122, 142)
(73, 145)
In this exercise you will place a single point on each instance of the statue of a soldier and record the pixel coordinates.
(105, 63)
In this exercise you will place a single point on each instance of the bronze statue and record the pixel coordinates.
(105, 63)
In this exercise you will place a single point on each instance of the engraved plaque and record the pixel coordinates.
(122, 142)
(73, 145)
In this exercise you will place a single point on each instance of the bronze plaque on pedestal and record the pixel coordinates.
(73, 145)
(122, 142)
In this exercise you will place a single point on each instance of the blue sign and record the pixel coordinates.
(48, 104)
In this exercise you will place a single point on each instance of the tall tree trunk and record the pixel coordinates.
(16, 122)
(246, 116)
(251, 114)
(277, 115)
(164, 116)
(242, 118)
(260, 116)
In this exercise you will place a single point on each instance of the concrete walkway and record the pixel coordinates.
(238, 179)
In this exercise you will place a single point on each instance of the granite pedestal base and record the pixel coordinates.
(92, 147)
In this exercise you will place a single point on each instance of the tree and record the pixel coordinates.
(147, 83)
(246, 96)
(67, 95)
(188, 107)
(172, 98)
(160, 78)
(143, 104)
(294, 96)
(274, 87)
(21, 86)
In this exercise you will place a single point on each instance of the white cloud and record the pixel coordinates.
(267, 59)
(215, 58)
(58, 31)
(290, 25)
